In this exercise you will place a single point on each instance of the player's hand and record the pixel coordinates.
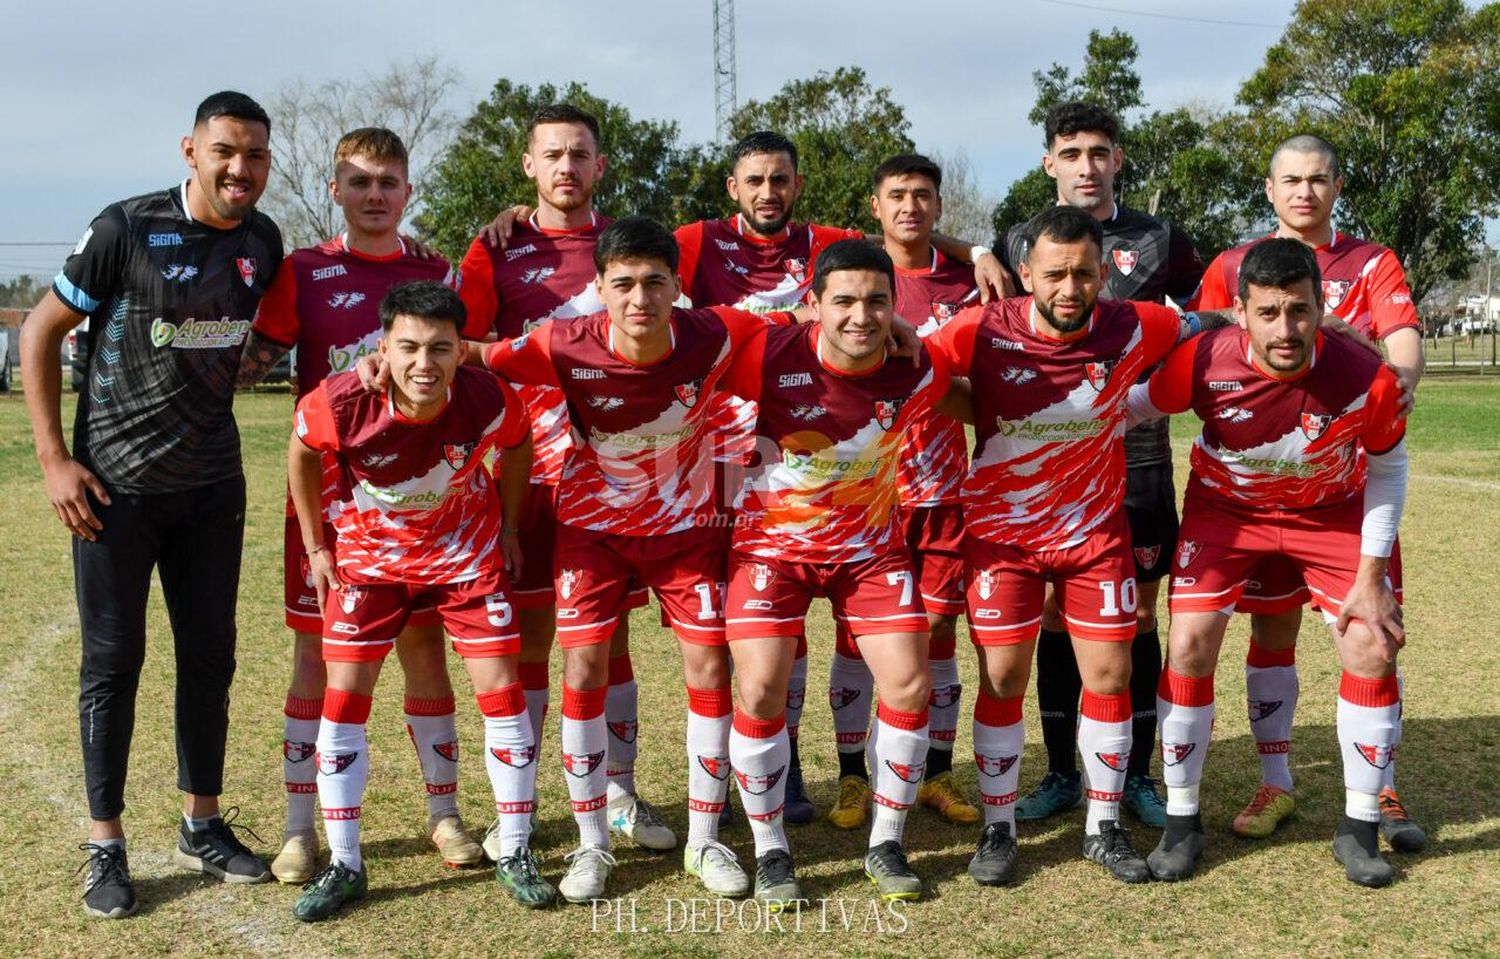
(1371, 602)
(510, 552)
(374, 372)
(903, 340)
(419, 249)
(496, 233)
(323, 569)
(68, 487)
(991, 278)
(1407, 382)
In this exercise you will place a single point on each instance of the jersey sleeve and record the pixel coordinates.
(942, 377)
(953, 342)
(276, 318)
(476, 288)
(1213, 291)
(92, 272)
(524, 359)
(1391, 306)
(1185, 268)
(314, 421)
(689, 251)
(743, 378)
(1161, 328)
(745, 327)
(515, 425)
(1171, 386)
(1384, 427)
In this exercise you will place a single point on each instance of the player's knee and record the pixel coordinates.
(587, 667)
(309, 674)
(760, 696)
(705, 667)
(1275, 631)
(1365, 654)
(1145, 618)
(943, 635)
(1052, 620)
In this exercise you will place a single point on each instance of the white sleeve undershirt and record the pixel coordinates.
(1138, 406)
(1385, 497)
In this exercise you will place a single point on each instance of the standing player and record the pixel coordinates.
(545, 272)
(1363, 284)
(930, 290)
(820, 517)
(325, 303)
(170, 281)
(420, 530)
(1146, 259)
(1302, 458)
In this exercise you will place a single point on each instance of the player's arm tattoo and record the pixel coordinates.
(257, 358)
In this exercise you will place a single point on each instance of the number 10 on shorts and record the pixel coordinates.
(1118, 600)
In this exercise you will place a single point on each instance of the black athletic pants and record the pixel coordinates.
(193, 540)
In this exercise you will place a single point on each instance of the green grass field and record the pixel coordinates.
(1281, 896)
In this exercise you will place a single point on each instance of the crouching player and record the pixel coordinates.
(1301, 457)
(420, 529)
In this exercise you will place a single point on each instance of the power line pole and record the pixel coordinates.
(725, 100)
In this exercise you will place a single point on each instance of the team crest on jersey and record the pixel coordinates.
(886, 412)
(1125, 260)
(759, 785)
(1147, 555)
(1261, 708)
(796, 268)
(566, 580)
(297, 752)
(1173, 754)
(518, 758)
(246, 265)
(1334, 292)
(985, 583)
(1115, 761)
(839, 696)
(1098, 373)
(1377, 756)
(1186, 551)
(943, 312)
(625, 732)
(715, 766)
(350, 597)
(687, 393)
(761, 576)
(993, 766)
(581, 764)
(906, 773)
(448, 750)
(331, 764)
(457, 454)
(944, 696)
(1313, 424)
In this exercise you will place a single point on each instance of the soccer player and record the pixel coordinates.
(325, 303)
(545, 272)
(420, 529)
(930, 290)
(1363, 284)
(1301, 457)
(170, 281)
(820, 517)
(1146, 259)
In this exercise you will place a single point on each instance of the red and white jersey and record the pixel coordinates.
(1276, 444)
(542, 275)
(1363, 285)
(936, 457)
(1049, 415)
(423, 508)
(824, 489)
(640, 462)
(325, 302)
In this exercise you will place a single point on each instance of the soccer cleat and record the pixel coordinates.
(640, 822)
(1356, 845)
(852, 808)
(217, 851)
(107, 892)
(520, 875)
(1396, 826)
(1054, 794)
(716, 867)
(886, 865)
(1142, 799)
(1176, 856)
(333, 886)
(799, 809)
(726, 815)
(776, 881)
(454, 843)
(298, 859)
(941, 792)
(1111, 848)
(491, 843)
(1271, 805)
(994, 861)
(588, 874)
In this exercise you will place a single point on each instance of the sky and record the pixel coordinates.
(98, 94)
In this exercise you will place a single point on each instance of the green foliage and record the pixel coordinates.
(23, 292)
(1108, 77)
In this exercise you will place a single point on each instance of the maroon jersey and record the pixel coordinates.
(325, 301)
(824, 490)
(422, 508)
(937, 454)
(1363, 285)
(639, 462)
(1049, 415)
(542, 275)
(1275, 444)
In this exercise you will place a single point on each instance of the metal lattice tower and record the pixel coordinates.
(725, 101)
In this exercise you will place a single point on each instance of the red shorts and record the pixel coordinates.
(769, 597)
(1276, 585)
(1219, 550)
(598, 575)
(297, 589)
(536, 588)
(361, 622)
(935, 537)
(1094, 582)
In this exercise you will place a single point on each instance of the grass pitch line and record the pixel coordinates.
(1487, 485)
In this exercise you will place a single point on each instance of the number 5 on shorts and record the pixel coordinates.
(904, 578)
(1116, 600)
(499, 610)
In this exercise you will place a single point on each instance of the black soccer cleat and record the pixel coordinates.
(1356, 845)
(1111, 848)
(1176, 857)
(1396, 826)
(798, 809)
(107, 892)
(994, 862)
(893, 878)
(776, 881)
(330, 890)
(217, 851)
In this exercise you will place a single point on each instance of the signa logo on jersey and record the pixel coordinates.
(1125, 260)
(759, 785)
(519, 758)
(152, 239)
(329, 272)
(1098, 373)
(1313, 424)
(1334, 292)
(1186, 551)
(886, 411)
(566, 580)
(993, 766)
(457, 454)
(761, 576)
(687, 393)
(581, 764)
(905, 773)
(518, 252)
(715, 766)
(1147, 555)
(1379, 756)
(986, 583)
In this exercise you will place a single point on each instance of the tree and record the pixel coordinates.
(23, 292)
(1408, 92)
(307, 123)
(966, 207)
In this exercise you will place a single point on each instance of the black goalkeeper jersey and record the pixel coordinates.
(170, 301)
(1145, 259)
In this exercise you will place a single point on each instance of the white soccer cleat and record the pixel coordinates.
(716, 867)
(640, 822)
(588, 875)
(298, 859)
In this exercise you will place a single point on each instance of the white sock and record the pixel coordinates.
(850, 688)
(1104, 743)
(621, 718)
(584, 743)
(1185, 715)
(896, 769)
(434, 733)
(998, 739)
(534, 683)
(710, 714)
(759, 752)
(1271, 690)
(796, 689)
(299, 734)
(944, 704)
(510, 759)
(1369, 714)
(343, 759)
